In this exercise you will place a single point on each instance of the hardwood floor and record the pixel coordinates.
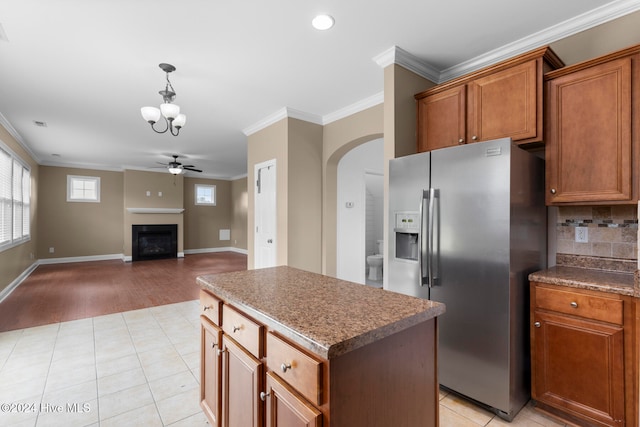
(61, 292)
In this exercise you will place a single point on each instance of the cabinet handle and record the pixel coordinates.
(553, 191)
(206, 307)
(214, 345)
(285, 366)
(461, 141)
(263, 396)
(219, 351)
(574, 304)
(537, 324)
(474, 137)
(236, 328)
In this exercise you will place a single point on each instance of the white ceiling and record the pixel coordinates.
(86, 67)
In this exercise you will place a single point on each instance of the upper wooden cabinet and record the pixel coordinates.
(591, 133)
(504, 100)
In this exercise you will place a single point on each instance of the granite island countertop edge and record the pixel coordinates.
(327, 350)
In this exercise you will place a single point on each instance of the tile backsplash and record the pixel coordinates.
(612, 231)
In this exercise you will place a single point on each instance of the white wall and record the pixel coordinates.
(351, 237)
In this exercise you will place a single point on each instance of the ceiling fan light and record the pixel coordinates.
(179, 121)
(150, 114)
(175, 171)
(169, 111)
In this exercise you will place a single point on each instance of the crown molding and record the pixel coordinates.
(292, 113)
(399, 56)
(14, 133)
(590, 19)
(354, 108)
(283, 113)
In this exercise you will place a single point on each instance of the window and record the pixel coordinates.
(15, 200)
(205, 194)
(83, 189)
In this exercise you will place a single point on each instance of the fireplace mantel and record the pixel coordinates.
(155, 210)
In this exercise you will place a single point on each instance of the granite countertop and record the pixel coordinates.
(327, 316)
(623, 283)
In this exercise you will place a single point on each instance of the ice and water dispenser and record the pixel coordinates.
(406, 229)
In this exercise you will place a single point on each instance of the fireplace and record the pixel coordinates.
(154, 241)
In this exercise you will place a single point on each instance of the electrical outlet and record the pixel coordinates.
(582, 234)
(52, 250)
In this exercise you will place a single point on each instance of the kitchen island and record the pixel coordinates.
(282, 346)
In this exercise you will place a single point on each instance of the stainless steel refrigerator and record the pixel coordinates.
(467, 224)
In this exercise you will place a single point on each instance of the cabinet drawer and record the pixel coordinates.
(210, 307)
(243, 330)
(594, 307)
(301, 371)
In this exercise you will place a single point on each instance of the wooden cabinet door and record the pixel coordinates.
(210, 364)
(442, 119)
(504, 104)
(588, 140)
(578, 367)
(241, 385)
(286, 408)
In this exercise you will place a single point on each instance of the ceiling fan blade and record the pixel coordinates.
(163, 164)
(188, 166)
(191, 169)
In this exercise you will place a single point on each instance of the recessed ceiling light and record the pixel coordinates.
(323, 22)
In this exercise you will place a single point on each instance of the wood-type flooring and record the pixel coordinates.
(62, 292)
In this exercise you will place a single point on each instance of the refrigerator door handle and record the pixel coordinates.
(433, 249)
(430, 237)
(422, 242)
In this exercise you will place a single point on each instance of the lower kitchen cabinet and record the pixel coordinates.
(583, 355)
(286, 408)
(210, 380)
(242, 377)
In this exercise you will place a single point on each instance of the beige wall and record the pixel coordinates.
(240, 204)
(136, 185)
(297, 148)
(340, 137)
(305, 195)
(14, 261)
(202, 223)
(267, 144)
(76, 229)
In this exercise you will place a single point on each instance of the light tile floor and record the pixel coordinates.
(137, 368)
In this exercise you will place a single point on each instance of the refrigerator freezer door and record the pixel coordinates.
(472, 215)
(408, 178)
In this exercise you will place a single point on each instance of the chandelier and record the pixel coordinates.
(170, 112)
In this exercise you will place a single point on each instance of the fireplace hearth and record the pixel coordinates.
(154, 241)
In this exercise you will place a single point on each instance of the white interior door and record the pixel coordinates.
(265, 215)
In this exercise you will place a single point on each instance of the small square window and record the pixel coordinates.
(205, 194)
(83, 189)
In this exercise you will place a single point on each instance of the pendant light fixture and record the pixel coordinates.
(170, 112)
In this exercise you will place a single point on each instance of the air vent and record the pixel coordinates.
(40, 123)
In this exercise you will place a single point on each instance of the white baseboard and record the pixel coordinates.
(80, 259)
(209, 250)
(6, 291)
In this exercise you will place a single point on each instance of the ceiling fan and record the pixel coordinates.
(176, 168)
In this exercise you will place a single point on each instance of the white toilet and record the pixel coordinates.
(375, 262)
